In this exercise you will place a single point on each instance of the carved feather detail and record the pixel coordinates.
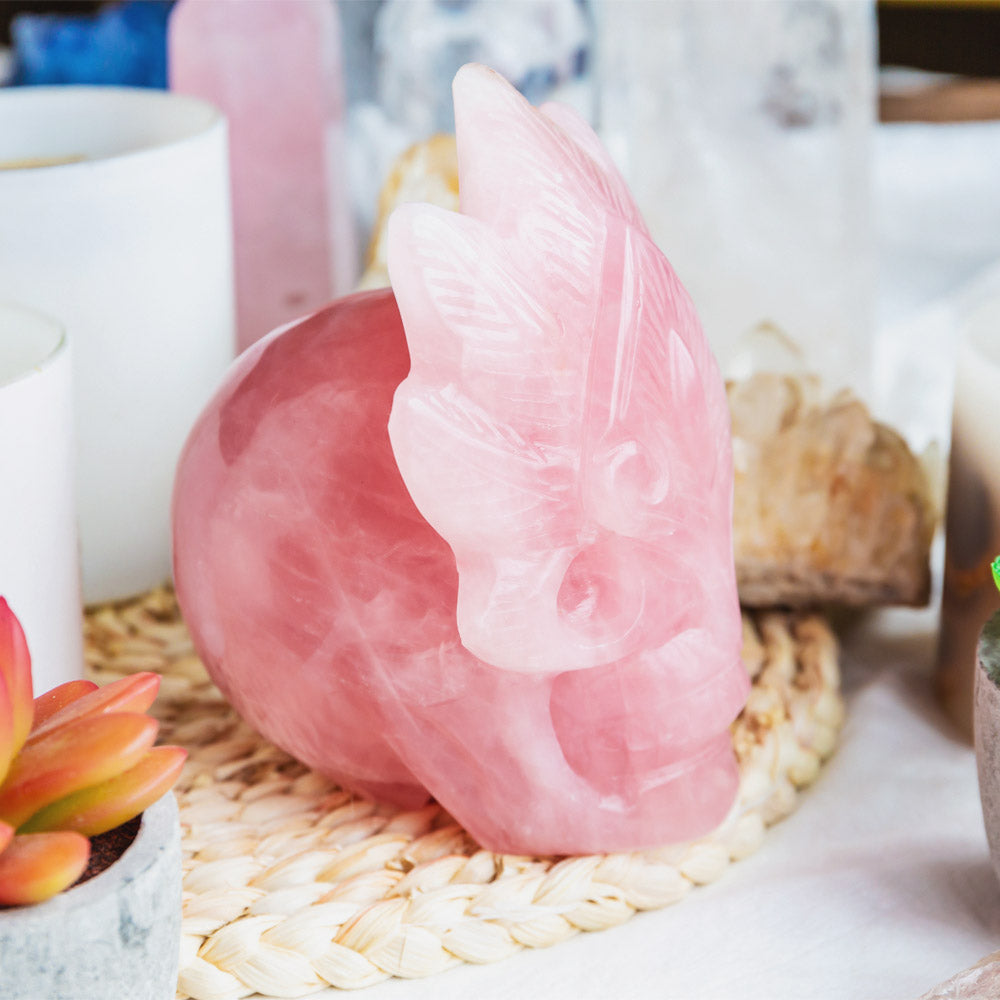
(560, 426)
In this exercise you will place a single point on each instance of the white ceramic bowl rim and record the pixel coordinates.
(94, 125)
(44, 341)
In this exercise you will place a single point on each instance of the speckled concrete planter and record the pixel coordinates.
(116, 935)
(987, 730)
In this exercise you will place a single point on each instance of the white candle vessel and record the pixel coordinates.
(114, 216)
(969, 596)
(39, 564)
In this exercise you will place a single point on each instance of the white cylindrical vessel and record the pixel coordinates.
(114, 216)
(39, 563)
(972, 530)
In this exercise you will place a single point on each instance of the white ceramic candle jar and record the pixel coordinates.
(39, 564)
(114, 216)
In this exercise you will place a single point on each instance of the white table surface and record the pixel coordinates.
(879, 885)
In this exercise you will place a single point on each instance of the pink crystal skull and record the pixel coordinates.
(540, 627)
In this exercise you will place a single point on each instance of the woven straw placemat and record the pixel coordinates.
(292, 884)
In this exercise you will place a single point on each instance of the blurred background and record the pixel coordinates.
(821, 168)
(954, 37)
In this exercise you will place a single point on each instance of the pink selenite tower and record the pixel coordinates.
(274, 68)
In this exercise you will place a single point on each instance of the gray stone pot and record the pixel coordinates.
(987, 732)
(115, 936)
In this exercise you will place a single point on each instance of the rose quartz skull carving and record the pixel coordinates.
(550, 646)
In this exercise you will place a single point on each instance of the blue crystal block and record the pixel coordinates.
(124, 44)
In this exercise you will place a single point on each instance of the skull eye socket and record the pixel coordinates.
(627, 484)
(633, 472)
(601, 596)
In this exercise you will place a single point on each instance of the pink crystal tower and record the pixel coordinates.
(274, 69)
(546, 637)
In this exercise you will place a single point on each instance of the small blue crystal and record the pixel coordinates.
(124, 44)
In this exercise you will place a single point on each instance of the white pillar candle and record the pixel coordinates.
(39, 564)
(114, 216)
(972, 537)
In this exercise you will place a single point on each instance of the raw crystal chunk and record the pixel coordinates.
(831, 506)
(979, 982)
(546, 637)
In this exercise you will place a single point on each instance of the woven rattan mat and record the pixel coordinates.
(292, 884)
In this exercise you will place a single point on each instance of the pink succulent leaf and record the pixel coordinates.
(47, 704)
(99, 808)
(15, 669)
(134, 693)
(36, 866)
(81, 753)
(6, 729)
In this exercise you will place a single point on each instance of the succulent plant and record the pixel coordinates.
(75, 762)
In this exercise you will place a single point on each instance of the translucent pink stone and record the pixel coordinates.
(550, 645)
(274, 69)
